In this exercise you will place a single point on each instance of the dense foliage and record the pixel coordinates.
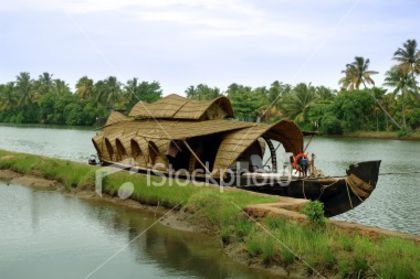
(396, 107)
(50, 101)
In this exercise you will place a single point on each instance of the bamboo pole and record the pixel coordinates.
(196, 156)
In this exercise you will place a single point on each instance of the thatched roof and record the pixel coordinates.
(172, 129)
(235, 143)
(116, 117)
(152, 127)
(176, 107)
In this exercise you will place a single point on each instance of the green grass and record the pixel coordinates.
(329, 250)
(82, 176)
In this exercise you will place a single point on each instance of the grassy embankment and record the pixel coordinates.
(323, 247)
(383, 135)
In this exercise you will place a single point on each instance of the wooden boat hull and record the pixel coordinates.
(337, 194)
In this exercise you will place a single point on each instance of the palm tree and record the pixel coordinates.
(141, 91)
(60, 87)
(23, 89)
(85, 88)
(44, 84)
(202, 92)
(8, 98)
(357, 73)
(109, 92)
(408, 58)
(402, 83)
(296, 104)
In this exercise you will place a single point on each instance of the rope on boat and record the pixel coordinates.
(303, 188)
(352, 186)
(348, 194)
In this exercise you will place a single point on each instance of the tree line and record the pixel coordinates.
(358, 105)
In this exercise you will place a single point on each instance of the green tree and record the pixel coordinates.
(144, 91)
(43, 84)
(23, 89)
(297, 103)
(245, 104)
(60, 88)
(408, 58)
(357, 73)
(109, 92)
(8, 98)
(202, 92)
(85, 88)
(355, 110)
(403, 84)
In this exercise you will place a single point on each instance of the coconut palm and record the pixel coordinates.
(297, 103)
(85, 88)
(403, 84)
(141, 91)
(8, 98)
(23, 89)
(43, 84)
(109, 92)
(60, 87)
(202, 92)
(357, 73)
(408, 58)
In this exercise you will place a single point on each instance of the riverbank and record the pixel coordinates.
(415, 136)
(286, 246)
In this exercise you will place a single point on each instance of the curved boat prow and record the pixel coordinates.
(368, 171)
(355, 188)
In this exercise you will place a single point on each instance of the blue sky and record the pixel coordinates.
(185, 42)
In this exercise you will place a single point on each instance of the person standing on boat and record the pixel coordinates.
(300, 163)
(303, 164)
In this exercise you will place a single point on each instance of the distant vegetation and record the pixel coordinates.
(358, 105)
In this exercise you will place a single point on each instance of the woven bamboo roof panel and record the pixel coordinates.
(174, 130)
(235, 143)
(177, 107)
(116, 117)
(162, 108)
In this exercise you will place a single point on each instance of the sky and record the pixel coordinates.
(217, 42)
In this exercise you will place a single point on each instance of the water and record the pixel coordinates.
(50, 235)
(393, 205)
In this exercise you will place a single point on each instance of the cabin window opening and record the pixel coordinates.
(109, 148)
(121, 152)
(135, 149)
(206, 149)
(158, 162)
(153, 151)
(137, 153)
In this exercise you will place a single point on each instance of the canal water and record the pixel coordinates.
(394, 204)
(46, 234)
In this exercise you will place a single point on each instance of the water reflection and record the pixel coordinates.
(50, 235)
